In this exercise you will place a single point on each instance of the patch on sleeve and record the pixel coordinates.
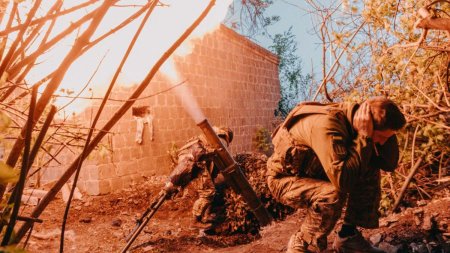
(339, 148)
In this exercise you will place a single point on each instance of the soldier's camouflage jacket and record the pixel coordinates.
(195, 160)
(319, 141)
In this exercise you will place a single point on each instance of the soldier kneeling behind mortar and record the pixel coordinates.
(195, 160)
(326, 154)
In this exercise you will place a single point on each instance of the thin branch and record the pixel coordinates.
(118, 27)
(7, 60)
(335, 62)
(444, 92)
(429, 121)
(128, 100)
(33, 56)
(56, 6)
(87, 84)
(406, 183)
(413, 145)
(46, 18)
(8, 25)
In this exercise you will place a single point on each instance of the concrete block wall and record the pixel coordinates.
(235, 83)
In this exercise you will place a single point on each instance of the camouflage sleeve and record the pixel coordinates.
(186, 170)
(388, 155)
(344, 159)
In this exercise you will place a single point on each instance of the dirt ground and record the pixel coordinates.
(101, 223)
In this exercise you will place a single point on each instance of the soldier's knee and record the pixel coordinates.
(330, 198)
(329, 192)
(200, 207)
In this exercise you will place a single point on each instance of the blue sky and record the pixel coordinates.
(309, 47)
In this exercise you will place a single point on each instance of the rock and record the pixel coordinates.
(116, 223)
(388, 239)
(147, 249)
(419, 247)
(70, 235)
(65, 190)
(35, 193)
(78, 208)
(375, 239)
(46, 235)
(53, 234)
(383, 223)
(421, 203)
(30, 200)
(87, 204)
(417, 221)
(118, 234)
(432, 246)
(389, 248)
(86, 220)
(427, 223)
(32, 196)
(392, 219)
(418, 214)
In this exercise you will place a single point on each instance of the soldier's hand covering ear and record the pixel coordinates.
(363, 121)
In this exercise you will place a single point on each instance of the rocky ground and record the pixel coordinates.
(101, 223)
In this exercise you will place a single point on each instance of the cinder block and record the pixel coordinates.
(161, 100)
(98, 187)
(126, 168)
(127, 181)
(92, 171)
(144, 164)
(121, 169)
(133, 152)
(117, 141)
(82, 185)
(84, 174)
(106, 171)
(121, 154)
(116, 184)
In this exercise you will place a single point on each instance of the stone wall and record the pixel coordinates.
(235, 83)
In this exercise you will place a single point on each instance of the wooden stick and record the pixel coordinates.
(406, 183)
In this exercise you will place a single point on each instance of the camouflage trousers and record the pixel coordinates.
(207, 208)
(202, 208)
(324, 204)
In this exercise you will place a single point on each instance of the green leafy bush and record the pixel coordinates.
(262, 141)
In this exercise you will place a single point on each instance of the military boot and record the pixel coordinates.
(297, 245)
(354, 244)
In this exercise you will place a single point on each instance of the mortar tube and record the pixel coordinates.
(233, 174)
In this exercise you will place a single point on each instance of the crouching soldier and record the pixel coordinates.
(196, 160)
(326, 154)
